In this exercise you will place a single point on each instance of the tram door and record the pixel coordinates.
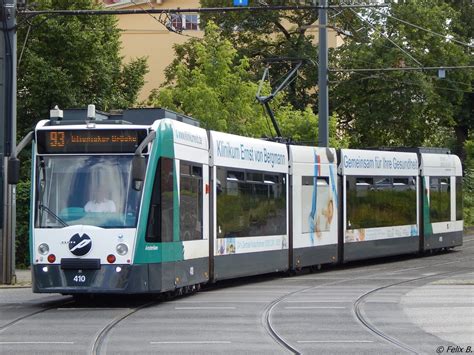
(191, 204)
(178, 222)
(191, 201)
(193, 197)
(442, 218)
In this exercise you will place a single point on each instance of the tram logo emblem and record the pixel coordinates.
(80, 245)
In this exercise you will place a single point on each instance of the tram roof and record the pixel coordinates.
(138, 116)
(421, 150)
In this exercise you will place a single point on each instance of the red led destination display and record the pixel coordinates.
(89, 141)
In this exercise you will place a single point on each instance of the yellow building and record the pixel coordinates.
(148, 36)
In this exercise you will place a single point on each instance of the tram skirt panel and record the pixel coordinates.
(443, 240)
(249, 264)
(379, 248)
(317, 255)
(172, 275)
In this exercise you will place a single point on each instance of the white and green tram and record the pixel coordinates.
(148, 202)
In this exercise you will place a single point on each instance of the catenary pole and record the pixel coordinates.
(8, 107)
(2, 145)
(323, 135)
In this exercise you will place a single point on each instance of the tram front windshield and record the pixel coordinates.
(85, 190)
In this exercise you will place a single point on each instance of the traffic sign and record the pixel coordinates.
(241, 2)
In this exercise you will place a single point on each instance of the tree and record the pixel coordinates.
(212, 83)
(69, 62)
(463, 28)
(270, 34)
(403, 107)
(468, 188)
(215, 89)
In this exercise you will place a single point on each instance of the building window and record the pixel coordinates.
(177, 22)
(182, 22)
(191, 22)
(110, 3)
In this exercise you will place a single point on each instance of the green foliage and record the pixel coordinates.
(272, 34)
(213, 84)
(70, 62)
(468, 188)
(303, 127)
(22, 214)
(409, 108)
(215, 89)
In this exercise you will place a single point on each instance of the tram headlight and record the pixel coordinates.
(43, 249)
(122, 249)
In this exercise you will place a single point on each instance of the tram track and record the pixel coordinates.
(357, 305)
(102, 335)
(54, 305)
(97, 341)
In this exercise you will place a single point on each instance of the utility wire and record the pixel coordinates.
(147, 12)
(342, 70)
(408, 82)
(24, 46)
(425, 29)
(378, 70)
(388, 38)
(403, 69)
(31, 13)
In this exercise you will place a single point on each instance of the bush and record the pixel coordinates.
(22, 225)
(468, 188)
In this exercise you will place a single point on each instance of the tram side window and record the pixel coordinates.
(250, 203)
(459, 204)
(190, 201)
(440, 199)
(160, 217)
(380, 201)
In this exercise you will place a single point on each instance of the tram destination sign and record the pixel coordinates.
(89, 141)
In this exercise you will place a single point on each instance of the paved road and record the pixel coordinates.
(397, 305)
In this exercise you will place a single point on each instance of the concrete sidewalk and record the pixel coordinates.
(23, 279)
(445, 309)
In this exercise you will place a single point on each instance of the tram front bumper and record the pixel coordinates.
(124, 279)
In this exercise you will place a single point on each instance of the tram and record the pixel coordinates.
(149, 202)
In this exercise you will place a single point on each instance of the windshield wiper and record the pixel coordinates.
(44, 208)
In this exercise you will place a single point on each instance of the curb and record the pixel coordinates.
(6, 287)
(469, 230)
